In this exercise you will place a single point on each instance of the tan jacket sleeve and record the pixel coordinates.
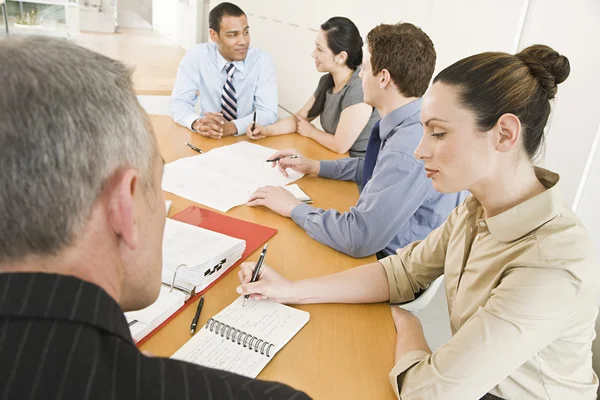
(525, 313)
(415, 266)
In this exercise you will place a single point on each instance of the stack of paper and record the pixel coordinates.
(224, 177)
(298, 193)
(206, 256)
(203, 255)
(144, 321)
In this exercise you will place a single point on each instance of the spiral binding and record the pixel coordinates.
(240, 337)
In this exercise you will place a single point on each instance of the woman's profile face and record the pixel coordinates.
(324, 57)
(457, 155)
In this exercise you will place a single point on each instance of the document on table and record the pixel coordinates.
(224, 177)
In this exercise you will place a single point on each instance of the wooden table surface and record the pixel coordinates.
(345, 351)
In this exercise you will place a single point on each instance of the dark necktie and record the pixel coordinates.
(228, 96)
(371, 155)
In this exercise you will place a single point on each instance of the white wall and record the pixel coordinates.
(587, 206)
(458, 28)
(180, 20)
(134, 13)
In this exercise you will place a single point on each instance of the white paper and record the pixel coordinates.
(266, 320)
(201, 250)
(166, 301)
(224, 177)
(297, 192)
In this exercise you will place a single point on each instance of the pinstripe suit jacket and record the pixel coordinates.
(64, 338)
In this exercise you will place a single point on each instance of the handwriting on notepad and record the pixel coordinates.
(217, 352)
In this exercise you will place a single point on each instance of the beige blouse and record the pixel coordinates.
(521, 289)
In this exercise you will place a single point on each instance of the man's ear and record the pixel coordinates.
(384, 78)
(509, 131)
(214, 35)
(122, 189)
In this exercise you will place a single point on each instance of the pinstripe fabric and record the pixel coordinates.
(52, 347)
(228, 96)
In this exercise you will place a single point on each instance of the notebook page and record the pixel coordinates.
(211, 350)
(265, 319)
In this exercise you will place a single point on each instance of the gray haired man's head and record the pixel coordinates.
(69, 119)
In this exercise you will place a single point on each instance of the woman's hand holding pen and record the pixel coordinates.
(300, 164)
(259, 132)
(269, 285)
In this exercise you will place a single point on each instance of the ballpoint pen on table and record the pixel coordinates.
(191, 146)
(256, 272)
(195, 320)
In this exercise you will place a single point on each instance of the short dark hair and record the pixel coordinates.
(492, 84)
(406, 52)
(216, 14)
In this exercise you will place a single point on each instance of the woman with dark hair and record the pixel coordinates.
(521, 274)
(346, 119)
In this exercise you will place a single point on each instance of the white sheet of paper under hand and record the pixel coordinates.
(224, 177)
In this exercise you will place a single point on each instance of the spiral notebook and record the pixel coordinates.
(241, 339)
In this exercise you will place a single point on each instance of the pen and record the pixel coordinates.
(256, 272)
(253, 122)
(279, 158)
(191, 146)
(195, 320)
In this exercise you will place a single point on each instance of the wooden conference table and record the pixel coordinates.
(345, 351)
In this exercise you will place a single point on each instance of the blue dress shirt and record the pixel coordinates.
(396, 207)
(202, 71)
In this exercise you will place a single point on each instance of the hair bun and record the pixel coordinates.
(549, 67)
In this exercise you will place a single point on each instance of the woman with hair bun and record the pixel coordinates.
(338, 100)
(521, 274)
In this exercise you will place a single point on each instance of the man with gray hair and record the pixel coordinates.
(82, 218)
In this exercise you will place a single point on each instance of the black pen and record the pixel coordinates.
(191, 146)
(256, 272)
(279, 158)
(253, 122)
(195, 320)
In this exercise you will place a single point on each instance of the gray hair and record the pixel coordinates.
(69, 119)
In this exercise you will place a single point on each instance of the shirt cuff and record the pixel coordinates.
(300, 212)
(241, 127)
(189, 120)
(327, 169)
(400, 289)
(397, 373)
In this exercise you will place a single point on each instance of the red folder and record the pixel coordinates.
(255, 236)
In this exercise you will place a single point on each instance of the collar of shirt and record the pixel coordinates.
(61, 297)
(526, 217)
(222, 62)
(397, 117)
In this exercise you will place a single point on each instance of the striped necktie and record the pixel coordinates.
(228, 98)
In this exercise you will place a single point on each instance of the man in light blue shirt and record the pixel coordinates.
(397, 203)
(232, 79)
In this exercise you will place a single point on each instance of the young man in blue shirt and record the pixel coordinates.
(397, 203)
(232, 79)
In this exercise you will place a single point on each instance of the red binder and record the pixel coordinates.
(255, 236)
